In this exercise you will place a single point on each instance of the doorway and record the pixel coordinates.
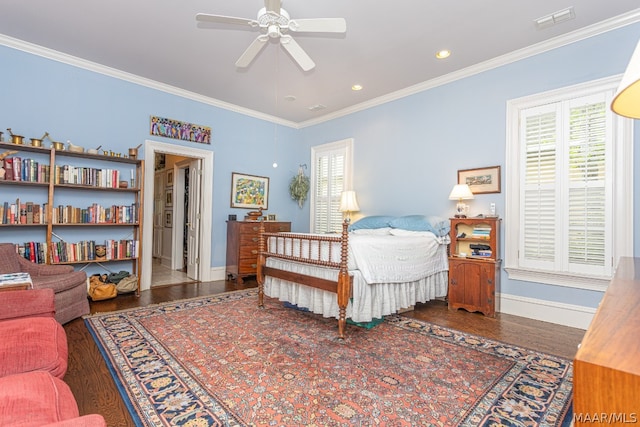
(200, 204)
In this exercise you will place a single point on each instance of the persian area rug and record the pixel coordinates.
(222, 361)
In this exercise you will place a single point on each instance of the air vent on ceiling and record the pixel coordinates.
(317, 107)
(555, 18)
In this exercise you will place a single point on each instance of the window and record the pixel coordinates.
(330, 175)
(569, 214)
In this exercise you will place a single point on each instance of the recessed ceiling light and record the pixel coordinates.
(290, 98)
(444, 53)
(317, 107)
(356, 87)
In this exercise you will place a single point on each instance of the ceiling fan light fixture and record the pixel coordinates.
(442, 54)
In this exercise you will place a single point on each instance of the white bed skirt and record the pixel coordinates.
(369, 301)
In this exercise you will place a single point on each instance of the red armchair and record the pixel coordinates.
(70, 286)
(33, 361)
(30, 338)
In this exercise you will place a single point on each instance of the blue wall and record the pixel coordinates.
(407, 152)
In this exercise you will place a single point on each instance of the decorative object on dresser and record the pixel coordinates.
(461, 192)
(242, 246)
(607, 364)
(474, 264)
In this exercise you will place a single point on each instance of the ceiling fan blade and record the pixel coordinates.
(220, 19)
(252, 51)
(319, 25)
(296, 52)
(273, 6)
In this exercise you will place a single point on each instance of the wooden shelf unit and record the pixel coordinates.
(52, 188)
(474, 274)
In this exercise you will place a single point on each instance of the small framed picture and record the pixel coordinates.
(169, 178)
(168, 197)
(481, 181)
(271, 217)
(168, 219)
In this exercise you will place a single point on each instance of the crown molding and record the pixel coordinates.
(575, 36)
(132, 78)
(529, 51)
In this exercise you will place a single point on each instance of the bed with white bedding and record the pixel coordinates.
(361, 275)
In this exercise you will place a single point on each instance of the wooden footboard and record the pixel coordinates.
(304, 253)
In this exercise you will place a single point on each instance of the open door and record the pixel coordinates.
(193, 220)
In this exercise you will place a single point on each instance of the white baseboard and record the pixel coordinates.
(218, 273)
(575, 316)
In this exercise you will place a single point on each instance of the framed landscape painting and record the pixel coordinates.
(481, 181)
(249, 191)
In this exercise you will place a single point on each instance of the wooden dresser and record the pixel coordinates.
(606, 378)
(242, 245)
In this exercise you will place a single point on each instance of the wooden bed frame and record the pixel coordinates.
(341, 287)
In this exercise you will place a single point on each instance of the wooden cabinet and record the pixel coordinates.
(82, 203)
(606, 376)
(242, 245)
(474, 264)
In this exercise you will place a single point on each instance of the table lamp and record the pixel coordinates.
(349, 203)
(460, 192)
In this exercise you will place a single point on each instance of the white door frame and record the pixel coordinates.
(150, 150)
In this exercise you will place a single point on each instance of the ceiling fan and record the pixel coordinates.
(274, 22)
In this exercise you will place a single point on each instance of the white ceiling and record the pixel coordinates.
(388, 46)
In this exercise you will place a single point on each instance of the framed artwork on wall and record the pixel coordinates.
(168, 197)
(169, 178)
(168, 219)
(249, 191)
(481, 181)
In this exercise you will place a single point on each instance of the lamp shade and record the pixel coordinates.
(348, 202)
(626, 101)
(461, 192)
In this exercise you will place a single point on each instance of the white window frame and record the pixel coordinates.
(345, 145)
(622, 188)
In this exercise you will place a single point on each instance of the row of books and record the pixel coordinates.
(88, 250)
(34, 213)
(33, 251)
(481, 232)
(29, 170)
(106, 178)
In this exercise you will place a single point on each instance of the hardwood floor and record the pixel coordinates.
(96, 392)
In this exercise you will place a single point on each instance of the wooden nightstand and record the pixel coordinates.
(474, 264)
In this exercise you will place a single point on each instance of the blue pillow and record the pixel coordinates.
(434, 224)
(369, 222)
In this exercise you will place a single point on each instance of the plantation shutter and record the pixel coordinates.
(588, 203)
(539, 200)
(565, 198)
(330, 172)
